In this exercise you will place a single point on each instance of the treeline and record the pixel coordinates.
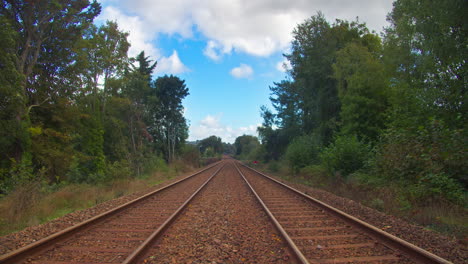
(388, 110)
(74, 107)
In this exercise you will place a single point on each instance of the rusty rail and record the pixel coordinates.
(41, 245)
(298, 254)
(143, 248)
(414, 252)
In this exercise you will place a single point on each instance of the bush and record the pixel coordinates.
(345, 155)
(433, 187)
(303, 151)
(190, 154)
(428, 161)
(119, 170)
(155, 163)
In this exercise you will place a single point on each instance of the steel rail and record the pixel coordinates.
(414, 252)
(136, 256)
(297, 252)
(21, 253)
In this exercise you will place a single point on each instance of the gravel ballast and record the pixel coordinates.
(444, 246)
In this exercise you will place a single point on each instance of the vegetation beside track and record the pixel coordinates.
(378, 118)
(438, 215)
(36, 203)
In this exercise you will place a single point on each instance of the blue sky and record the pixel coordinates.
(228, 51)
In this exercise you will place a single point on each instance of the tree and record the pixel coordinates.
(245, 145)
(425, 54)
(274, 141)
(313, 93)
(425, 49)
(363, 92)
(213, 143)
(44, 28)
(308, 102)
(12, 132)
(145, 67)
(168, 124)
(103, 56)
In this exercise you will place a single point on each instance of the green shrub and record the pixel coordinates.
(190, 154)
(433, 187)
(155, 163)
(428, 161)
(273, 166)
(119, 170)
(302, 151)
(345, 155)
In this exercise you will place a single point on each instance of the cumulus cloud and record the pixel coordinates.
(171, 65)
(243, 71)
(255, 27)
(141, 36)
(212, 125)
(212, 50)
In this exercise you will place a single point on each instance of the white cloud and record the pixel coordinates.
(243, 71)
(283, 65)
(255, 27)
(141, 36)
(171, 65)
(212, 50)
(212, 125)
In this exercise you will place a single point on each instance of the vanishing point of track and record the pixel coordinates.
(313, 231)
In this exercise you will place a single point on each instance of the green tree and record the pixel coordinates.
(145, 65)
(309, 101)
(362, 90)
(46, 34)
(314, 47)
(213, 143)
(426, 53)
(168, 125)
(245, 145)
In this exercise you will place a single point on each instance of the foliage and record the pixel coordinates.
(245, 145)
(434, 187)
(119, 170)
(303, 151)
(211, 146)
(335, 79)
(345, 155)
(410, 154)
(403, 96)
(73, 107)
(168, 125)
(362, 90)
(425, 49)
(229, 148)
(190, 154)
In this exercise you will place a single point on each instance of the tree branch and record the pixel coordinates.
(36, 105)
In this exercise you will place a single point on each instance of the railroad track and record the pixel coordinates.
(313, 231)
(319, 233)
(120, 235)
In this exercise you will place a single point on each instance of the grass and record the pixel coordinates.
(34, 204)
(440, 216)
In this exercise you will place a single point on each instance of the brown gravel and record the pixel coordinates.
(321, 237)
(99, 243)
(224, 224)
(446, 247)
(31, 234)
